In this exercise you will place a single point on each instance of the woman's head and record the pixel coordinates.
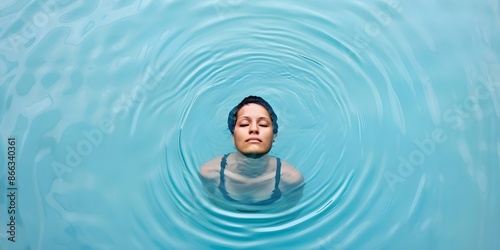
(254, 126)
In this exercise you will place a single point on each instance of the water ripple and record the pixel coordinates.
(384, 112)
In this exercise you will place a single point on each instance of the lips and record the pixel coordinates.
(253, 139)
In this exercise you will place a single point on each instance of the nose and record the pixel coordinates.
(254, 128)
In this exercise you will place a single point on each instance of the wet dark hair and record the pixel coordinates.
(231, 118)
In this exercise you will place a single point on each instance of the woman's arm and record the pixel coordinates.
(209, 175)
(292, 184)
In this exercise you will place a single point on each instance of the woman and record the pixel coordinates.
(250, 179)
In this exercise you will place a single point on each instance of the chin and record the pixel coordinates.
(254, 154)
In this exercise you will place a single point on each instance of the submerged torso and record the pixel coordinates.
(249, 192)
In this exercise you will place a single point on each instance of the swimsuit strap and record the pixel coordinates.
(278, 174)
(222, 183)
(223, 164)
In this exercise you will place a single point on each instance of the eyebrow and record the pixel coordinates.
(260, 118)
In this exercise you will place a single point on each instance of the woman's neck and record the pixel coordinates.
(251, 166)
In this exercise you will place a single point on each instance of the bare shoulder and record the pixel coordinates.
(211, 169)
(290, 175)
(209, 174)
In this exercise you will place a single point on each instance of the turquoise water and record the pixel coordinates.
(390, 110)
